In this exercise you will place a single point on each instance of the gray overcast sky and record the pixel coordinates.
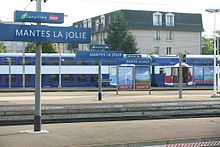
(83, 9)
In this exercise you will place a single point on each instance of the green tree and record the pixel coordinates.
(2, 48)
(129, 44)
(118, 36)
(207, 46)
(46, 48)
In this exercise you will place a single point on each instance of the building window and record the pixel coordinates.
(169, 35)
(157, 19)
(169, 50)
(157, 35)
(84, 24)
(170, 19)
(97, 25)
(90, 23)
(109, 20)
(102, 20)
(156, 50)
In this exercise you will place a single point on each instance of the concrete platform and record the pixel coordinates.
(90, 97)
(116, 133)
(127, 104)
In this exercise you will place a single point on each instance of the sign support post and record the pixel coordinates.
(37, 113)
(180, 75)
(117, 82)
(100, 80)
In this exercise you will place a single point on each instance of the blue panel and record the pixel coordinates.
(29, 80)
(36, 33)
(94, 54)
(39, 17)
(16, 80)
(100, 47)
(4, 81)
(136, 61)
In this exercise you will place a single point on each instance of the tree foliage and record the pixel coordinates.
(118, 36)
(129, 44)
(2, 48)
(208, 46)
(46, 48)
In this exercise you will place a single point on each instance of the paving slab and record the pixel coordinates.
(113, 132)
(108, 97)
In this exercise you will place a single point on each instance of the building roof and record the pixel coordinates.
(144, 20)
(138, 20)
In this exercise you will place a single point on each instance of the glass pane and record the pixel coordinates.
(67, 61)
(53, 78)
(82, 78)
(94, 78)
(68, 78)
(53, 61)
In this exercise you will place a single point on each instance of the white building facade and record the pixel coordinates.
(163, 33)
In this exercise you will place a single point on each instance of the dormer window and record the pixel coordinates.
(157, 19)
(170, 19)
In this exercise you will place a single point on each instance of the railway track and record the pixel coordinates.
(102, 119)
(23, 114)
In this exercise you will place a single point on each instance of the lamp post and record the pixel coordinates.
(215, 49)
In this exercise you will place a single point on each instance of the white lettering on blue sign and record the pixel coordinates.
(58, 34)
(55, 34)
(32, 33)
(81, 35)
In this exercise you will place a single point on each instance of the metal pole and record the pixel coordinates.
(133, 78)
(117, 80)
(60, 70)
(214, 94)
(9, 72)
(100, 80)
(150, 81)
(180, 75)
(217, 48)
(37, 114)
(23, 66)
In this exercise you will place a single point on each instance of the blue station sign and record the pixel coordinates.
(38, 17)
(136, 61)
(133, 56)
(93, 54)
(100, 47)
(37, 33)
